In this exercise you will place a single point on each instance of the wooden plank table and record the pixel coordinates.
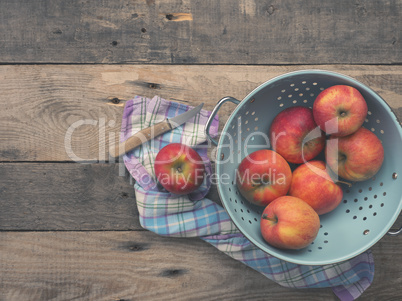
(69, 223)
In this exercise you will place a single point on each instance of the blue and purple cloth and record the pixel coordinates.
(194, 215)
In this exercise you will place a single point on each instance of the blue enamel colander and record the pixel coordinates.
(368, 210)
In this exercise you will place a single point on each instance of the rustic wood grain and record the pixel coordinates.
(201, 32)
(144, 266)
(41, 104)
(60, 196)
(48, 196)
(72, 197)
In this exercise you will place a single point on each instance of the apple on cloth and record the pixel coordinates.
(295, 135)
(356, 157)
(289, 223)
(312, 183)
(140, 113)
(340, 110)
(263, 176)
(179, 168)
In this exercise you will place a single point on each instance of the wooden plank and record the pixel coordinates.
(144, 266)
(71, 197)
(60, 196)
(42, 103)
(201, 32)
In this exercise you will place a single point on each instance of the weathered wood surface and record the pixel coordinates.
(60, 196)
(139, 265)
(201, 32)
(71, 197)
(47, 196)
(63, 226)
(41, 103)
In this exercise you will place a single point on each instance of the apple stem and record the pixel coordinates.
(343, 182)
(272, 219)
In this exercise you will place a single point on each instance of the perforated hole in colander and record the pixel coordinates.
(370, 205)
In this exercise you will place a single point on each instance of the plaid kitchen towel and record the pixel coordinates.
(194, 215)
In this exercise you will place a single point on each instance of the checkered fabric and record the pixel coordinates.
(194, 215)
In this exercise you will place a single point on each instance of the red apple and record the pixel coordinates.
(289, 223)
(295, 135)
(179, 168)
(340, 110)
(356, 157)
(262, 176)
(312, 183)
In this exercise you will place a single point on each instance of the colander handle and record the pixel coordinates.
(395, 232)
(213, 114)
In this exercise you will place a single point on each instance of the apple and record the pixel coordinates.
(179, 168)
(289, 223)
(356, 157)
(262, 176)
(340, 110)
(295, 135)
(312, 183)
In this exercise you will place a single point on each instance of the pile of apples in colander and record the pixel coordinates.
(295, 200)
